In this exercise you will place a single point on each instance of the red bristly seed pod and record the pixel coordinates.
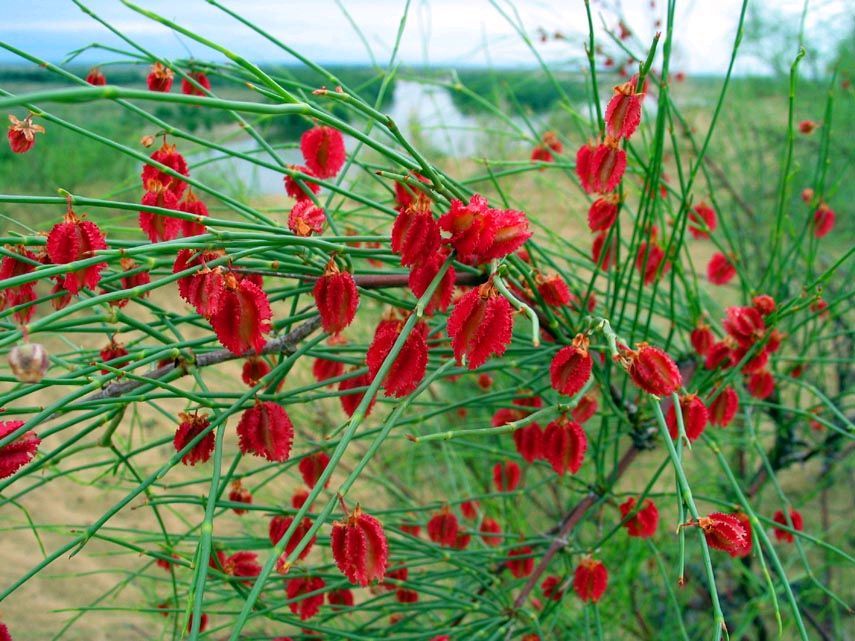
(415, 234)
(571, 367)
(72, 240)
(359, 547)
(695, 417)
(305, 606)
(823, 220)
(203, 289)
(293, 187)
(702, 339)
(786, 536)
(490, 532)
(403, 595)
(506, 476)
(590, 580)
(159, 227)
(564, 445)
(652, 370)
(644, 522)
(15, 455)
(421, 276)
(650, 261)
(299, 498)
(349, 402)
(443, 528)
(336, 297)
(551, 588)
(18, 262)
(239, 564)
(702, 221)
(192, 205)
(265, 430)
(520, 562)
(338, 599)
(470, 226)
(600, 168)
(254, 369)
(598, 247)
(113, 352)
(480, 325)
(720, 270)
(744, 324)
(190, 89)
(96, 78)
(405, 193)
(761, 385)
(159, 78)
(22, 134)
(553, 290)
(276, 530)
(190, 427)
(469, 509)
(131, 278)
(585, 409)
(718, 354)
(603, 213)
(529, 442)
(243, 316)
(408, 368)
(510, 231)
(239, 494)
(169, 156)
(723, 407)
(323, 150)
(725, 532)
(764, 304)
(324, 369)
(312, 466)
(623, 113)
(306, 218)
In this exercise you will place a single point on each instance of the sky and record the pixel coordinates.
(440, 32)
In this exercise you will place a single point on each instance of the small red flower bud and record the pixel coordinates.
(29, 362)
(169, 156)
(323, 149)
(785, 536)
(95, 77)
(279, 526)
(415, 235)
(553, 290)
(159, 227)
(403, 595)
(190, 89)
(15, 455)
(764, 304)
(265, 430)
(469, 509)
(485, 381)
(254, 369)
(22, 134)
(114, 354)
(564, 445)
(603, 213)
(623, 113)
(411, 529)
(761, 385)
(304, 175)
(506, 476)
(480, 325)
(653, 370)
(529, 442)
(823, 220)
(551, 588)
(590, 580)
(443, 528)
(720, 270)
(602, 254)
(807, 195)
(421, 276)
(296, 590)
(72, 240)
(702, 339)
(600, 168)
(192, 205)
(349, 402)
(409, 366)
(520, 562)
(242, 317)
(695, 417)
(807, 126)
(342, 598)
(702, 221)
(336, 297)
(312, 466)
(490, 532)
(359, 547)
(159, 78)
(644, 522)
(650, 261)
(585, 409)
(723, 407)
(541, 154)
(571, 367)
(306, 218)
(239, 494)
(190, 427)
(726, 532)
